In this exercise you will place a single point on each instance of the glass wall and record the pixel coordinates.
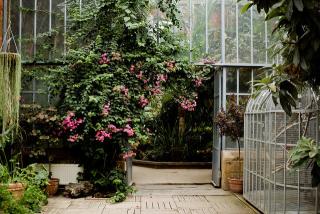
(217, 29)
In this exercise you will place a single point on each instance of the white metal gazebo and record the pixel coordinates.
(269, 136)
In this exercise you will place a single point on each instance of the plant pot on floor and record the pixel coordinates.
(16, 189)
(53, 186)
(235, 185)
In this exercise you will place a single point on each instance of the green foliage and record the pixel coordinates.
(118, 179)
(33, 198)
(34, 178)
(298, 22)
(305, 153)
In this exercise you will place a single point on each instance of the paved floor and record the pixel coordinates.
(160, 191)
(143, 175)
(157, 199)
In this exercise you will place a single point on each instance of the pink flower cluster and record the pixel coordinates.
(104, 59)
(127, 129)
(73, 138)
(124, 90)
(128, 154)
(198, 82)
(143, 101)
(101, 135)
(188, 105)
(140, 75)
(106, 109)
(70, 123)
(171, 65)
(156, 90)
(113, 129)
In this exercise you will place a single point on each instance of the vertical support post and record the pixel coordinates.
(190, 30)
(5, 26)
(251, 34)
(35, 30)
(65, 29)
(207, 42)
(20, 26)
(237, 30)
(223, 44)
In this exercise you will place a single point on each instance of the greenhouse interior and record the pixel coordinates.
(159, 106)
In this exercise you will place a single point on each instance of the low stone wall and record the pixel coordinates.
(172, 165)
(230, 166)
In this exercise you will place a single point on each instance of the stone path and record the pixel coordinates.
(143, 175)
(157, 199)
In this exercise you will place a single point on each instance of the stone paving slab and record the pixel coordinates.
(157, 199)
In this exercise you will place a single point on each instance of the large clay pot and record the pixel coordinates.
(235, 185)
(53, 186)
(16, 189)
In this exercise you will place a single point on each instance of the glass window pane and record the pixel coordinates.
(214, 29)
(230, 31)
(244, 80)
(184, 30)
(26, 98)
(42, 99)
(15, 11)
(198, 30)
(244, 35)
(58, 29)
(259, 50)
(231, 80)
(27, 37)
(43, 38)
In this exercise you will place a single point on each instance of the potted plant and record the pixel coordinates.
(231, 123)
(11, 181)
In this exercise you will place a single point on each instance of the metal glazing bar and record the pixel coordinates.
(251, 35)
(223, 42)
(190, 30)
(65, 29)
(237, 30)
(80, 7)
(298, 171)
(50, 26)
(20, 25)
(284, 171)
(238, 82)
(207, 39)
(35, 30)
(266, 40)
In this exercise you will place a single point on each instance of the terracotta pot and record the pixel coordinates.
(235, 185)
(16, 189)
(52, 187)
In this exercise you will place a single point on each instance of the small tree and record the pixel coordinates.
(231, 122)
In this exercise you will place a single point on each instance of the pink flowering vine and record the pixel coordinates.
(162, 78)
(101, 135)
(113, 129)
(143, 101)
(70, 122)
(156, 90)
(140, 75)
(127, 129)
(73, 138)
(198, 82)
(104, 59)
(106, 109)
(187, 104)
(128, 154)
(124, 90)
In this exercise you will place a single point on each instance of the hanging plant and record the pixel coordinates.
(10, 85)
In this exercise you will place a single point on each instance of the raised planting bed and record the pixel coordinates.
(174, 165)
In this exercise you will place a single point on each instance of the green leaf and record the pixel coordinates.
(299, 5)
(246, 7)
